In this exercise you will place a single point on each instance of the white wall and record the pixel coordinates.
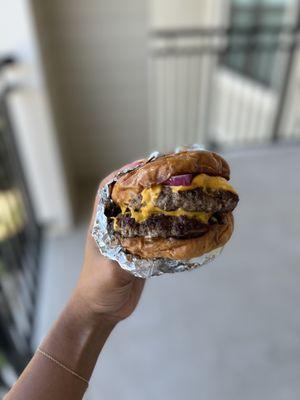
(187, 13)
(31, 116)
(95, 53)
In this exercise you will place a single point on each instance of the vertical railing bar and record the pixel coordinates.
(18, 248)
(177, 92)
(193, 102)
(262, 125)
(180, 100)
(286, 78)
(173, 115)
(157, 103)
(186, 135)
(197, 102)
(208, 84)
(228, 116)
(165, 100)
(201, 110)
(151, 101)
(160, 103)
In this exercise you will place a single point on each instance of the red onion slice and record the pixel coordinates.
(179, 180)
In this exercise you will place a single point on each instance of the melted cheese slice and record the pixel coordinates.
(206, 182)
(150, 195)
(148, 210)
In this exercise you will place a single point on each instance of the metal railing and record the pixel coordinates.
(19, 247)
(224, 86)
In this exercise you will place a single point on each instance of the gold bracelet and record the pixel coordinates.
(62, 366)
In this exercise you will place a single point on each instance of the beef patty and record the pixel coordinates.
(192, 200)
(160, 225)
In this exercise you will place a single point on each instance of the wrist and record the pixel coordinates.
(78, 337)
(90, 316)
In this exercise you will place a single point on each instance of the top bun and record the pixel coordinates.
(155, 172)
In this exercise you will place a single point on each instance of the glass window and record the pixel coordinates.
(253, 53)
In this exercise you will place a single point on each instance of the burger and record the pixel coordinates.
(178, 206)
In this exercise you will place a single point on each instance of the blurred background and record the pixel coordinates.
(86, 86)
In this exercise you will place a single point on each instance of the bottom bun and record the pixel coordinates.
(181, 249)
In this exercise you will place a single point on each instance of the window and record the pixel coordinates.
(254, 37)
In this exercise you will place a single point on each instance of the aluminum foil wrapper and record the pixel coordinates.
(110, 247)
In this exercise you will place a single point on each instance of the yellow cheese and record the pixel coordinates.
(116, 228)
(150, 195)
(123, 208)
(207, 182)
(146, 212)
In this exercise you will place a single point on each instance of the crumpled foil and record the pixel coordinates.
(110, 247)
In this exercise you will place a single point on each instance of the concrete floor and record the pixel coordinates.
(230, 330)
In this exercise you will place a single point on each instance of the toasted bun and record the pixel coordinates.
(181, 249)
(161, 169)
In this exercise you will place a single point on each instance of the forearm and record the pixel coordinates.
(75, 341)
(105, 294)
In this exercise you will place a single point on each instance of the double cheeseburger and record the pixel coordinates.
(178, 206)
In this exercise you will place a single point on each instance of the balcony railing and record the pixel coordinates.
(230, 87)
(19, 248)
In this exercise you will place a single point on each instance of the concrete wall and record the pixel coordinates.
(95, 57)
